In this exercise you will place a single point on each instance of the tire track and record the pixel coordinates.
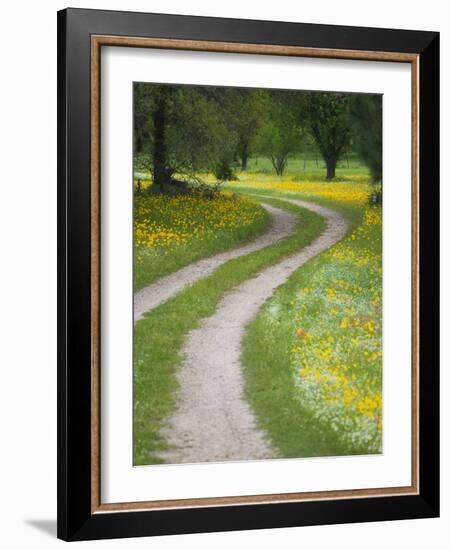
(282, 226)
(213, 421)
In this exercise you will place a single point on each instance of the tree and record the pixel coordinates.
(280, 134)
(181, 131)
(162, 173)
(223, 99)
(245, 108)
(142, 124)
(327, 117)
(366, 119)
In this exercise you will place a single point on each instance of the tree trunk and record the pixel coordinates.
(244, 154)
(330, 164)
(138, 142)
(279, 164)
(161, 174)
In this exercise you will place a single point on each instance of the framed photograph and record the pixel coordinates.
(248, 274)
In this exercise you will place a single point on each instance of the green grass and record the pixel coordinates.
(150, 266)
(153, 267)
(295, 424)
(308, 169)
(352, 213)
(159, 337)
(299, 168)
(298, 164)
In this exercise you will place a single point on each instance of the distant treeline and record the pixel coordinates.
(184, 130)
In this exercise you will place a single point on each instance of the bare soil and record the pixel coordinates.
(213, 421)
(150, 297)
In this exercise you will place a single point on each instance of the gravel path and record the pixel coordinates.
(283, 224)
(213, 421)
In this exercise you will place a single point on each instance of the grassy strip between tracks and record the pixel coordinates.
(159, 336)
(312, 357)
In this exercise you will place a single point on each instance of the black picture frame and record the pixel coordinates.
(76, 521)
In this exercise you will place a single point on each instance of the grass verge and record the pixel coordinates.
(174, 231)
(304, 329)
(159, 336)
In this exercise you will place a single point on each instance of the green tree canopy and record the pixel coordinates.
(181, 130)
(327, 117)
(280, 133)
(366, 119)
(246, 108)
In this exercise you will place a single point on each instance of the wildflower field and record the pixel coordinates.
(159, 337)
(356, 193)
(173, 231)
(313, 357)
(337, 359)
(273, 350)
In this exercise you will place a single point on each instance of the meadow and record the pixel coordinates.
(158, 338)
(312, 358)
(171, 232)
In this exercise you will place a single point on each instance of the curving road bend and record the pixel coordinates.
(213, 421)
(283, 225)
